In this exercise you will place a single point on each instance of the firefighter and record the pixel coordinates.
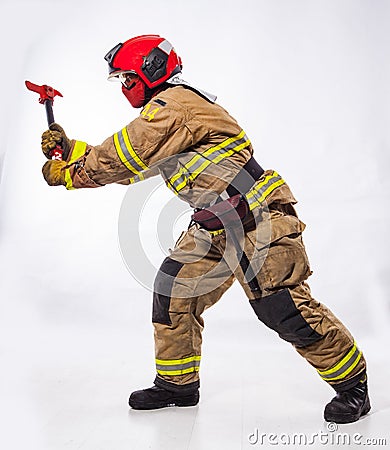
(245, 227)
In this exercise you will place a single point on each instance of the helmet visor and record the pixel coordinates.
(126, 77)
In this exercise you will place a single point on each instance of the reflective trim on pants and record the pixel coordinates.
(344, 367)
(178, 366)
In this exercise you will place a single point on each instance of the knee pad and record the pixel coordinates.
(279, 312)
(162, 290)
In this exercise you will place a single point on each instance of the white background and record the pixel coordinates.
(309, 83)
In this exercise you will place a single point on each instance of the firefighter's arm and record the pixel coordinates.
(81, 162)
(136, 151)
(163, 129)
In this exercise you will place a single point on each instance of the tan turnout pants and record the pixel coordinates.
(203, 266)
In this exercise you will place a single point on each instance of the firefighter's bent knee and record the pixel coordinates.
(279, 312)
(163, 285)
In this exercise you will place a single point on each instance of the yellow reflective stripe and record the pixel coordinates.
(173, 362)
(217, 232)
(208, 152)
(178, 372)
(347, 371)
(204, 165)
(266, 193)
(184, 170)
(208, 156)
(78, 151)
(139, 177)
(225, 143)
(126, 152)
(338, 366)
(343, 367)
(231, 151)
(260, 192)
(193, 175)
(258, 186)
(121, 155)
(180, 186)
(132, 152)
(181, 172)
(68, 180)
(178, 366)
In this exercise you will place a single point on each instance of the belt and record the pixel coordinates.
(239, 186)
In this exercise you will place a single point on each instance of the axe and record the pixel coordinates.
(46, 97)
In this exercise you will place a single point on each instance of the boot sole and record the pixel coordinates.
(348, 418)
(160, 405)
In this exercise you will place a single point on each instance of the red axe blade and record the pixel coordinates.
(45, 92)
(46, 97)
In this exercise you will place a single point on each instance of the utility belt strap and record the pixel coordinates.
(234, 209)
(228, 214)
(246, 178)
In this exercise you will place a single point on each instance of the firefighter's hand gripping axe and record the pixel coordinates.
(46, 97)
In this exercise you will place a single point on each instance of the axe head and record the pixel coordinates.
(45, 92)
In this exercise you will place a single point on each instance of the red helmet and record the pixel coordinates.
(150, 56)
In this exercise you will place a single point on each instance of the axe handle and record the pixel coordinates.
(57, 152)
(49, 111)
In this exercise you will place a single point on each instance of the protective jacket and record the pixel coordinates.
(195, 145)
(199, 150)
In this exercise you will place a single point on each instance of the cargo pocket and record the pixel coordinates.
(284, 261)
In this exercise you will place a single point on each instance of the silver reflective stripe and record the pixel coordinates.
(343, 368)
(176, 367)
(137, 178)
(348, 363)
(127, 154)
(231, 146)
(261, 190)
(165, 46)
(176, 184)
(202, 160)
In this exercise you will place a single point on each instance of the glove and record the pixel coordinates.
(53, 172)
(54, 136)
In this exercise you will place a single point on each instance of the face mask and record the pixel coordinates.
(135, 94)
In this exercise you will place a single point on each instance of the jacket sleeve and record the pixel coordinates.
(162, 130)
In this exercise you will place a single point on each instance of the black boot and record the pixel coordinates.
(156, 397)
(349, 405)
